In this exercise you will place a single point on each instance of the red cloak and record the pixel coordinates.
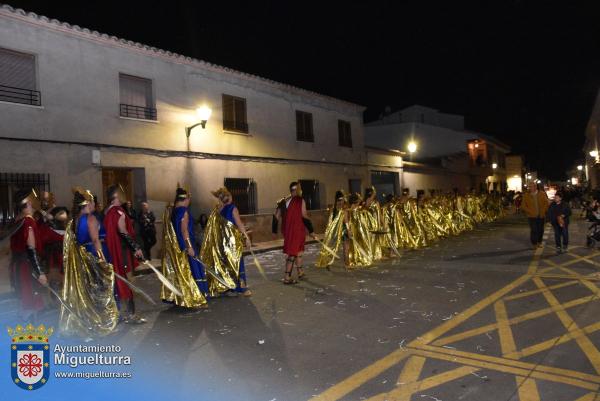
(52, 246)
(294, 232)
(27, 287)
(120, 257)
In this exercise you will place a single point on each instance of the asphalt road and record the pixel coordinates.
(479, 316)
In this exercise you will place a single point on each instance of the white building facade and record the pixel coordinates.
(84, 108)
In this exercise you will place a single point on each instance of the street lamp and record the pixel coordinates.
(494, 166)
(580, 167)
(594, 153)
(203, 114)
(412, 147)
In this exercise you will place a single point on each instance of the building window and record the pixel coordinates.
(304, 126)
(10, 183)
(310, 193)
(234, 114)
(344, 133)
(18, 81)
(136, 98)
(243, 191)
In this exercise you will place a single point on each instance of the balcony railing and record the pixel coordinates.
(20, 95)
(236, 126)
(140, 112)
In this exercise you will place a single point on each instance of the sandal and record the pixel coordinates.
(301, 273)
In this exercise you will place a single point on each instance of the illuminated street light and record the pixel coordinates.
(594, 153)
(580, 167)
(494, 166)
(203, 114)
(412, 147)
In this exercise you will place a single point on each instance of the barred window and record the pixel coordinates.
(136, 97)
(243, 191)
(304, 126)
(234, 114)
(345, 134)
(18, 82)
(10, 183)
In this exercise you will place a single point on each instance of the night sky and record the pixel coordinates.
(525, 73)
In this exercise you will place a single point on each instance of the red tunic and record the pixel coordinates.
(294, 232)
(52, 246)
(120, 256)
(27, 287)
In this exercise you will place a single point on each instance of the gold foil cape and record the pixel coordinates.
(88, 290)
(332, 237)
(405, 224)
(222, 249)
(176, 268)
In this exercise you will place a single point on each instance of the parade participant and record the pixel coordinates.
(89, 279)
(371, 205)
(180, 263)
(223, 245)
(535, 206)
(359, 238)
(335, 232)
(291, 212)
(52, 231)
(147, 221)
(123, 251)
(27, 274)
(99, 209)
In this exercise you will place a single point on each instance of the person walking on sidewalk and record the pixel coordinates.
(535, 206)
(558, 215)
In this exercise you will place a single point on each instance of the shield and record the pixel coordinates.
(30, 365)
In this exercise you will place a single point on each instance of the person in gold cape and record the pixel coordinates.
(374, 226)
(180, 264)
(335, 232)
(89, 279)
(360, 242)
(223, 246)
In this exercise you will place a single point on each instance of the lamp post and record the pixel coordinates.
(203, 114)
(412, 148)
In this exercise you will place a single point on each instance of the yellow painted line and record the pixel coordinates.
(404, 392)
(518, 319)
(535, 261)
(534, 292)
(507, 341)
(553, 342)
(586, 345)
(498, 362)
(588, 397)
(362, 376)
(527, 389)
(564, 277)
(537, 374)
(410, 373)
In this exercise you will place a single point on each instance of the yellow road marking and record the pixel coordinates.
(533, 292)
(507, 341)
(406, 391)
(410, 373)
(504, 362)
(527, 389)
(588, 397)
(583, 341)
(351, 383)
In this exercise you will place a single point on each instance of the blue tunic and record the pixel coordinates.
(84, 238)
(227, 213)
(196, 266)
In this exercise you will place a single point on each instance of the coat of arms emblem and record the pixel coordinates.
(30, 356)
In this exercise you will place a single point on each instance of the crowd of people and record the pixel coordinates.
(86, 256)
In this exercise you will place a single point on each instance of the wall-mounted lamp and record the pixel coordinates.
(494, 166)
(203, 114)
(594, 153)
(580, 167)
(412, 147)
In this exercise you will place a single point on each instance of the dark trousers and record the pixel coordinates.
(149, 241)
(536, 226)
(561, 235)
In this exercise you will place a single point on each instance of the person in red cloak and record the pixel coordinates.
(291, 213)
(52, 230)
(123, 250)
(27, 275)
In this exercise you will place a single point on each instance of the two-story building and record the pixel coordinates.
(443, 156)
(79, 107)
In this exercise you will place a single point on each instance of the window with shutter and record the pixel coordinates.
(136, 98)
(18, 81)
(243, 191)
(310, 194)
(304, 126)
(344, 133)
(234, 114)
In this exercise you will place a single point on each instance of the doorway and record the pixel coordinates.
(385, 183)
(133, 181)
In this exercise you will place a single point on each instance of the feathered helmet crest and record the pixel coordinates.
(82, 196)
(221, 193)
